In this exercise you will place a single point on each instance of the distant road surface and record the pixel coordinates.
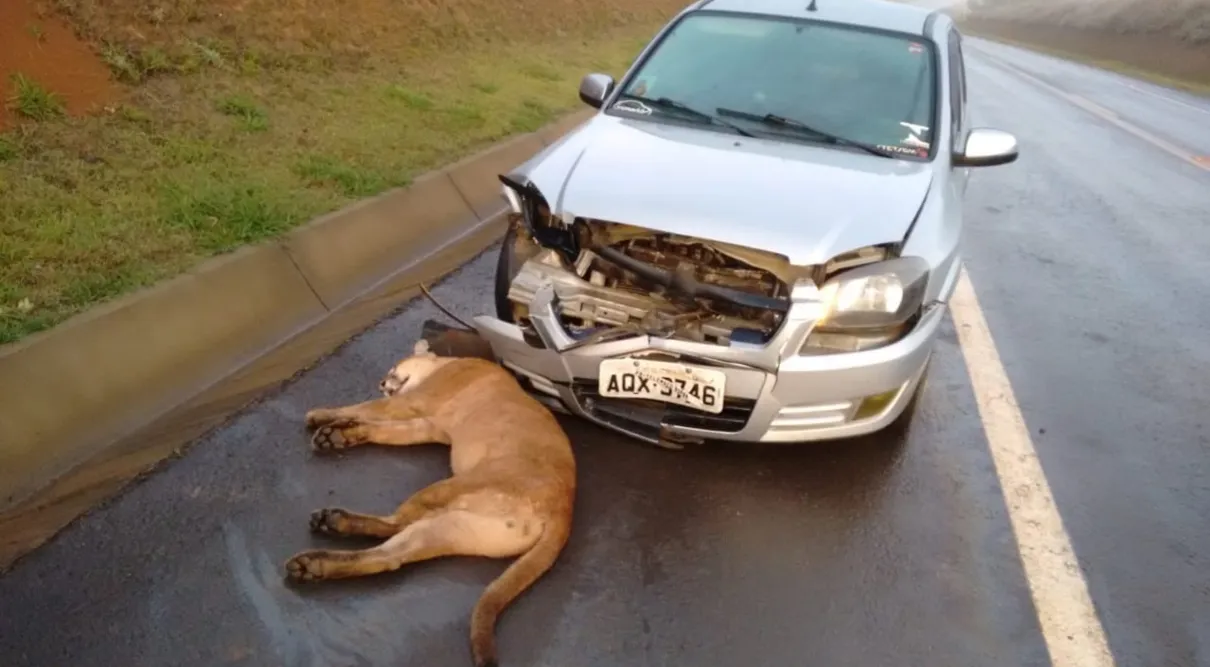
(1083, 325)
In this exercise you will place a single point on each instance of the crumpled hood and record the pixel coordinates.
(808, 203)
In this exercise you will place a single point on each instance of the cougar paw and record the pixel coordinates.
(319, 417)
(335, 437)
(305, 567)
(328, 521)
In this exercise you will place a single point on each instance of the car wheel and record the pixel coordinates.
(508, 264)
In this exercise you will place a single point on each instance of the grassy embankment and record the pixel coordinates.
(225, 122)
(1166, 41)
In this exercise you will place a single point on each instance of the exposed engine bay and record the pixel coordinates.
(613, 277)
(595, 293)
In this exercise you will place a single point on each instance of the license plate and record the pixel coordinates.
(698, 388)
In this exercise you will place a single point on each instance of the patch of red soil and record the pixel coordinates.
(45, 50)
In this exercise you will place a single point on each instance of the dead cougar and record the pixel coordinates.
(511, 493)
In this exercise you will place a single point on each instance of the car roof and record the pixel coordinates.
(878, 14)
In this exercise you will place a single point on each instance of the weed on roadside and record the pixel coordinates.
(8, 150)
(351, 179)
(253, 117)
(542, 72)
(221, 216)
(411, 99)
(32, 101)
(532, 115)
(121, 63)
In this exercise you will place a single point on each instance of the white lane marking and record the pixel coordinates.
(1104, 114)
(1070, 627)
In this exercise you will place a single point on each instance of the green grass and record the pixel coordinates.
(351, 178)
(242, 150)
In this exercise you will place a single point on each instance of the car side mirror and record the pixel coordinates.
(594, 88)
(986, 147)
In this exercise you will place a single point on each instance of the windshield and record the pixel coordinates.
(757, 73)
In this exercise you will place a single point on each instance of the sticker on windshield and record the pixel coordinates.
(904, 150)
(915, 135)
(915, 48)
(633, 106)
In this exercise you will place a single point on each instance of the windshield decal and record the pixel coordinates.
(915, 134)
(915, 48)
(633, 106)
(904, 150)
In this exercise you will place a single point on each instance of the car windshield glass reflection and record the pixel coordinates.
(867, 89)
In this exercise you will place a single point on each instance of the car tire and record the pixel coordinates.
(508, 264)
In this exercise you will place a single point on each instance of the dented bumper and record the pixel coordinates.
(773, 394)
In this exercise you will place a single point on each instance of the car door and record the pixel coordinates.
(959, 121)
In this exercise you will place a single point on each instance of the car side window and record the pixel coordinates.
(957, 87)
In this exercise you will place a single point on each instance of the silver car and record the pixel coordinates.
(755, 236)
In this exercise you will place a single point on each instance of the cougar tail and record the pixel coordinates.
(519, 576)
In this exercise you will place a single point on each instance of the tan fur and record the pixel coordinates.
(511, 493)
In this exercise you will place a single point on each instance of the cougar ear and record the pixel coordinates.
(421, 348)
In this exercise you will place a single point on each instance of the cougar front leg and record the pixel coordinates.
(342, 435)
(375, 410)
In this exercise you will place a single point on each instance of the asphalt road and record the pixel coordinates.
(1090, 261)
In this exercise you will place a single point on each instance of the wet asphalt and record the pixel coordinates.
(1090, 259)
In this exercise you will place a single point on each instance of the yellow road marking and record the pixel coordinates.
(1073, 634)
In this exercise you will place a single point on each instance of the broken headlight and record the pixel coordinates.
(868, 307)
(547, 229)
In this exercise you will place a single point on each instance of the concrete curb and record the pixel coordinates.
(94, 402)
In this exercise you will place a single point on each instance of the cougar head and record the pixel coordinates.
(411, 371)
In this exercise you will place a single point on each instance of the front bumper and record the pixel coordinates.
(773, 394)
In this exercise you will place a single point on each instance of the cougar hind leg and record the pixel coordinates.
(483, 522)
(345, 523)
(446, 533)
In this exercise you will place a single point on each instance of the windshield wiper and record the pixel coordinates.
(667, 103)
(781, 121)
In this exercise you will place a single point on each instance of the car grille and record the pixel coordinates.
(648, 416)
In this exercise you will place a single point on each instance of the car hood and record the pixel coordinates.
(806, 202)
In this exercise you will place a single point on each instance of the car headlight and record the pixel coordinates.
(870, 306)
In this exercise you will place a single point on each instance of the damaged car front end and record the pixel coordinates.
(674, 339)
(679, 278)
